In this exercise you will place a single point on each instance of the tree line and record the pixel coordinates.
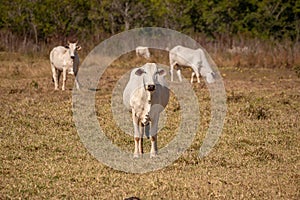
(45, 21)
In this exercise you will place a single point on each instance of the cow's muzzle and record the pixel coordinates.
(72, 57)
(150, 88)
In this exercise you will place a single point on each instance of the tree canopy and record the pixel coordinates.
(43, 20)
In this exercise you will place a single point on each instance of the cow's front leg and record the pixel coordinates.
(198, 77)
(179, 75)
(137, 136)
(171, 71)
(138, 143)
(136, 147)
(192, 77)
(64, 78)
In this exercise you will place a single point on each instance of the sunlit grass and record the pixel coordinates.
(42, 156)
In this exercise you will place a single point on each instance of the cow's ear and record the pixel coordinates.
(161, 72)
(67, 47)
(78, 48)
(139, 72)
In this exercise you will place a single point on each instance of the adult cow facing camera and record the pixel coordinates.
(146, 95)
(65, 60)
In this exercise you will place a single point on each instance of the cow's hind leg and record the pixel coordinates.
(153, 151)
(58, 76)
(153, 136)
(77, 83)
(75, 70)
(142, 131)
(55, 76)
(64, 78)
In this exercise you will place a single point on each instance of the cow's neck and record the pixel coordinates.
(142, 104)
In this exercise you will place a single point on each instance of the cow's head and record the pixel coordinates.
(73, 47)
(150, 75)
(210, 76)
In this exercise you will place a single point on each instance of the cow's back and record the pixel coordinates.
(184, 56)
(196, 58)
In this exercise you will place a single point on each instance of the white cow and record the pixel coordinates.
(238, 50)
(143, 52)
(146, 95)
(194, 58)
(64, 59)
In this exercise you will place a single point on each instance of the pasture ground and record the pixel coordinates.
(42, 156)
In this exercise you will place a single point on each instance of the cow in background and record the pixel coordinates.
(65, 60)
(143, 52)
(194, 58)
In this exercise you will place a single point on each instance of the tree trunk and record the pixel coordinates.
(126, 16)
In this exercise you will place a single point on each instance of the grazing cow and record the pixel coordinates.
(146, 95)
(64, 59)
(194, 58)
(238, 50)
(143, 52)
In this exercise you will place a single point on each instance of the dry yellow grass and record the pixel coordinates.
(42, 157)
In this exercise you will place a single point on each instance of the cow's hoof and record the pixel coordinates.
(153, 154)
(136, 155)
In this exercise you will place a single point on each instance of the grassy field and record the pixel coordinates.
(42, 156)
